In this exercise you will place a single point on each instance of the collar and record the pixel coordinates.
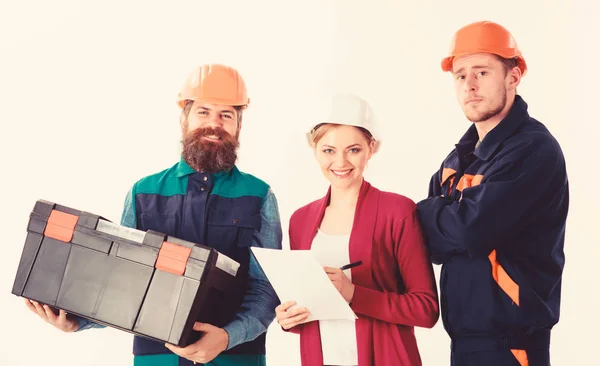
(514, 119)
(183, 169)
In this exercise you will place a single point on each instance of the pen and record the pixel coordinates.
(348, 266)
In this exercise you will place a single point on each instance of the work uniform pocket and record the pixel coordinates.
(231, 229)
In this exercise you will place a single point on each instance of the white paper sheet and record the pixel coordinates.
(297, 276)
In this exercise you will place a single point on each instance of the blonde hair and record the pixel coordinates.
(321, 129)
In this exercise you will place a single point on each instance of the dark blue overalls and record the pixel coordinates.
(495, 220)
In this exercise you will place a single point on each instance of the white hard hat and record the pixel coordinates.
(351, 110)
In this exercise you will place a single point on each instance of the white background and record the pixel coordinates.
(87, 106)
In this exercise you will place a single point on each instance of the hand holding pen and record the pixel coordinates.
(341, 281)
(351, 265)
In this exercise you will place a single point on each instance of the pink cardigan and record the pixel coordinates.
(394, 287)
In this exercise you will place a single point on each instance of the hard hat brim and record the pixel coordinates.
(181, 102)
(446, 63)
(376, 141)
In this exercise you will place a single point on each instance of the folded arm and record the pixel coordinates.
(488, 213)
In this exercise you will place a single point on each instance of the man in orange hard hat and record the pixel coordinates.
(205, 199)
(496, 211)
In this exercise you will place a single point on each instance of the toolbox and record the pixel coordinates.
(143, 282)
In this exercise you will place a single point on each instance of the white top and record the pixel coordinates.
(338, 337)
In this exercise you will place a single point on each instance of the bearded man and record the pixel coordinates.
(205, 199)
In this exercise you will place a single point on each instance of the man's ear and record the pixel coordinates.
(515, 77)
(187, 109)
(182, 121)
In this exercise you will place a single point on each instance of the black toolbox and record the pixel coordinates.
(146, 283)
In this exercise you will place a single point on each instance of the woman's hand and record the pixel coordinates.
(289, 318)
(341, 282)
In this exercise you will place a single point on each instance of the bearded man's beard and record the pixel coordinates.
(205, 154)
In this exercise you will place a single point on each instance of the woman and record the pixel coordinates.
(393, 290)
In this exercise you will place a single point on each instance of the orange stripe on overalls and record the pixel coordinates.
(506, 283)
(447, 172)
(521, 356)
(468, 180)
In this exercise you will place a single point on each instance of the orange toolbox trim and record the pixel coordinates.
(173, 258)
(61, 226)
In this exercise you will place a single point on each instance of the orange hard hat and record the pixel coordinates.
(215, 84)
(486, 37)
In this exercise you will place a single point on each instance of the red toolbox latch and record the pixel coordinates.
(61, 226)
(173, 258)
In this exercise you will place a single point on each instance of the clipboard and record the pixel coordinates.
(297, 276)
